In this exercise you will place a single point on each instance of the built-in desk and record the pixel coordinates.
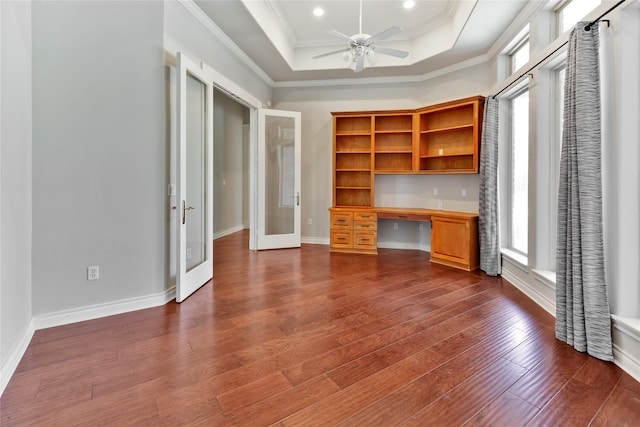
(454, 235)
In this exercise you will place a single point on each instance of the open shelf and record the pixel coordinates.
(394, 123)
(438, 139)
(390, 162)
(353, 125)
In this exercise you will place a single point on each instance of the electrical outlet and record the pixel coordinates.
(435, 191)
(463, 192)
(188, 253)
(310, 221)
(93, 272)
(395, 225)
(440, 205)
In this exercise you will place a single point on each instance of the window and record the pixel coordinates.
(516, 52)
(520, 54)
(573, 11)
(519, 174)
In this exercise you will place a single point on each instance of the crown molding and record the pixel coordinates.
(385, 80)
(202, 17)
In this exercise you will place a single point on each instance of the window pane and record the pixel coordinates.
(520, 173)
(574, 11)
(520, 56)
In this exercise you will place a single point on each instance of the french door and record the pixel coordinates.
(279, 142)
(194, 189)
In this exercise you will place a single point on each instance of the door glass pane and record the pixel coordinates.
(196, 173)
(279, 175)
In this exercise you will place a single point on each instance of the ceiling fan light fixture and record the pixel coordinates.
(360, 50)
(409, 4)
(318, 11)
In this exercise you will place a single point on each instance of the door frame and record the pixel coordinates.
(243, 97)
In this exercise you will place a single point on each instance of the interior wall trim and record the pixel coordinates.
(626, 344)
(90, 312)
(528, 290)
(8, 367)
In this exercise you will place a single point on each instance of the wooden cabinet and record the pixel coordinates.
(449, 136)
(354, 230)
(454, 241)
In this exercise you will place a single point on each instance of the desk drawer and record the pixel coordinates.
(404, 217)
(341, 239)
(365, 225)
(365, 216)
(366, 240)
(342, 220)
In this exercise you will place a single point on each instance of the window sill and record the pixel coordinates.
(519, 260)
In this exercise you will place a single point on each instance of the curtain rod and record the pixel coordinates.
(587, 28)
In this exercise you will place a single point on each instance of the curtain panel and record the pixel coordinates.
(488, 203)
(583, 317)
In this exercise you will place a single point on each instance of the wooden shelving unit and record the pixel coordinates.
(448, 137)
(439, 139)
(353, 180)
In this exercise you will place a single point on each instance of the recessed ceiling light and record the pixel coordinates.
(409, 4)
(318, 11)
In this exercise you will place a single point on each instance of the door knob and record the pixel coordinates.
(184, 211)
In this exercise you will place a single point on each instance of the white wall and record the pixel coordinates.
(316, 105)
(99, 154)
(15, 185)
(229, 172)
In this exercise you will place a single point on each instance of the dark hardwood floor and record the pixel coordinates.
(302, 337)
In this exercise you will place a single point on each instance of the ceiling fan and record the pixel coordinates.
(363, 46)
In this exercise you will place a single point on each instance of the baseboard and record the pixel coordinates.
(96, 311)
(314, 241)
(531, 292)
(15, 355)
(228, 231)
(626, 347)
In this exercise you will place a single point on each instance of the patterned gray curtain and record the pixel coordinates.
(488, 207)
(583, 319)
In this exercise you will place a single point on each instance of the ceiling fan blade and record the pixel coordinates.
(340, 35)
(333, 52)
(389, 32)
(392, 52)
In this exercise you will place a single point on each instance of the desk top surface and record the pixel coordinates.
(415, 212)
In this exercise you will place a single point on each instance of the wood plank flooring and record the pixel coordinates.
(302, 337)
